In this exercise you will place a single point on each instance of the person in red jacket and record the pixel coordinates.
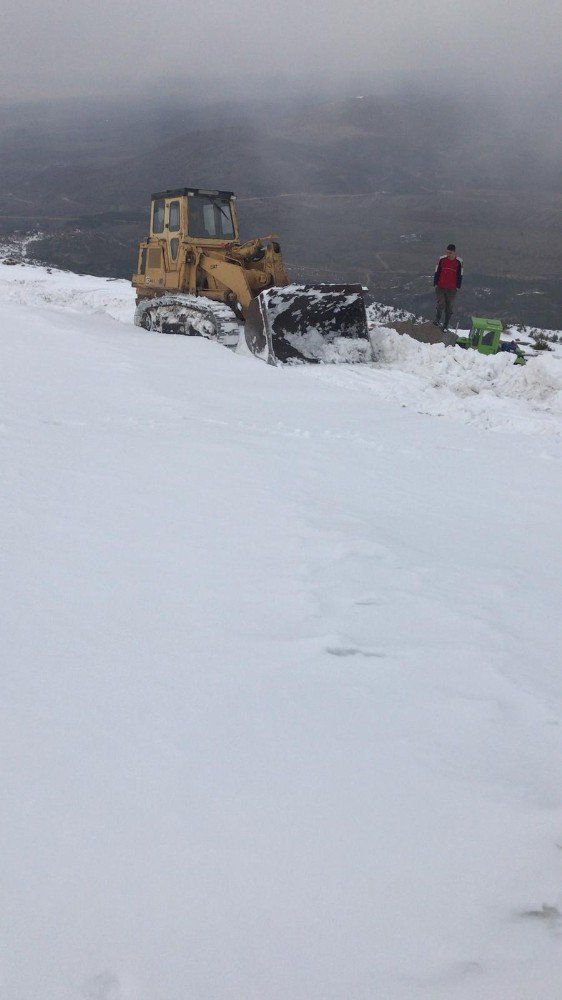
(447, 280)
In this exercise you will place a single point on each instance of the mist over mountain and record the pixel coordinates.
(369, 187)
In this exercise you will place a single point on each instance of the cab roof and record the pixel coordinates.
(181, 192)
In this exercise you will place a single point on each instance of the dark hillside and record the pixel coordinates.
(368, 188)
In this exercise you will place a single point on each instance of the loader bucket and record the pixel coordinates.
(309, 323)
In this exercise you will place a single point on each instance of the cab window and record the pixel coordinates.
(210, 217)
(174, 216)
(209, 223)
(158, 216)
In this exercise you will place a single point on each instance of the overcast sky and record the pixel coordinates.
(68, 46)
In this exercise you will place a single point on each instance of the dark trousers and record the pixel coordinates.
(445, 302)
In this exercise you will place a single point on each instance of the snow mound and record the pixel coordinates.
(313, 345)
(30, 285)
(468, 372)
(491, 393)
(379, 313)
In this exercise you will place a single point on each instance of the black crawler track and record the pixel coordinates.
(191, 316)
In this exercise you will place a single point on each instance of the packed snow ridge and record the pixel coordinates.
(280, 657)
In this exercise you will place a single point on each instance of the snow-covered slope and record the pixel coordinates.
(280, 667)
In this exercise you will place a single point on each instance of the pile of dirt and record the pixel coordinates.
(425, 332)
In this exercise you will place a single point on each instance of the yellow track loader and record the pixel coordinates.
(195, 277)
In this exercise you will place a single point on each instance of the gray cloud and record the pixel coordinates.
(74, 48)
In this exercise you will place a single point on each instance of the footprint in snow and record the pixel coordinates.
(353, 651)
(103, 986)
(546, 912)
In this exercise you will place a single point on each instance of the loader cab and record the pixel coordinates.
(194, 214)
(484, 336)
(184, 222)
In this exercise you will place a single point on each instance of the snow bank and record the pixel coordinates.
(490, 392)
(33, 285)
(466, 372)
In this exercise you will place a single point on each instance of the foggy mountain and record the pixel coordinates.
(368, 188)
